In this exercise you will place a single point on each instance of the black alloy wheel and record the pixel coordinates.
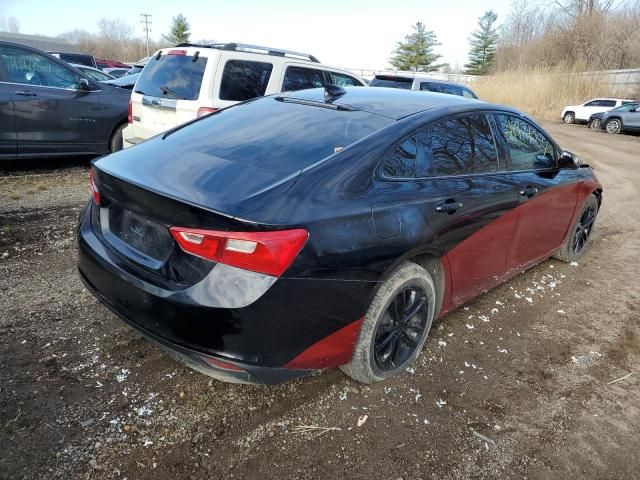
(583, 229)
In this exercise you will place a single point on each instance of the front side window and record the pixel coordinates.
(29, 68)
(244, 80)
(401, 162)
(528, 147)
(175, 76)
(343, 80)
(459, 146)
(300, 78)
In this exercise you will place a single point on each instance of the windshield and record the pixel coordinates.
(392, 82)
(278, 135)
(172, 76)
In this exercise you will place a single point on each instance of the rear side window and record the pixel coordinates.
(172, 76)
(244, 80)
(459, 146)
(401, 162)
(392, 82)
(607, 103)
(594, 103)
(299, 78)
(528, 147)
(343, 80)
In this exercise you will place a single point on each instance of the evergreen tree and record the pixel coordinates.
(179, 32)
(416, 52)
(483, 45)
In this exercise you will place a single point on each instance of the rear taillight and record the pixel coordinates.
(130, 115)
(270, 253)
(202, 111)
(94, 188)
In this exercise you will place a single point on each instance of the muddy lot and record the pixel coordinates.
(519, 383)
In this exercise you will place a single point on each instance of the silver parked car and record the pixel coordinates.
(622, 119)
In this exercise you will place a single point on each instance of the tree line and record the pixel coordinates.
(576, 34)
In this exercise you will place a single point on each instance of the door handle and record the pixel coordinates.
(25, 93)
(528, 191)
(448, 207)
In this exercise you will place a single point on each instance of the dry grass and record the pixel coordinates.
(540, 92)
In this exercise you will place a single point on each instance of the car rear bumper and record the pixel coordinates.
(295, 327)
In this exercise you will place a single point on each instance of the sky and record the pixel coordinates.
(348, 34)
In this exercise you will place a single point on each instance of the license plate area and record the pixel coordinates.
(140, 239)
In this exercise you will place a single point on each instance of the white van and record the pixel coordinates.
(181, 83)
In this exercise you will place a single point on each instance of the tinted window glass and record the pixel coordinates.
(607, 103)
(244, 80)
(392, 82)
(529, 147)
(429, 87)
(172, 76)
(459, 146)
(451, 89)
(343, 80)
(401, 163)
(80, 59)
(299, 78)
(33, 69)
(278, 135)
(594, 103)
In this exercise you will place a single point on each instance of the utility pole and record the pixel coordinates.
(146, 24)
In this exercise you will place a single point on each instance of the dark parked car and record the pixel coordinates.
(77, 58)
(317, 229)
(421, 83)
(49, 108)
(128, 81)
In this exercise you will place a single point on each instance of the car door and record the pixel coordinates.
(631, 118)
(53, 114)
(8, 142)
(468, 200)
(547, 194)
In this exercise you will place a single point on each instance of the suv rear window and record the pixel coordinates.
(244, 80)
(172, 76)
(392, 82)
(279, 135)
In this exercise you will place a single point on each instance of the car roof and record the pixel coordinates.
(389, 102)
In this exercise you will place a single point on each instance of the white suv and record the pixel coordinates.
(184, 82)
(581, 113)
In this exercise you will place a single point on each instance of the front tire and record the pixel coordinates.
(595, 124)
(395, 327)
(580, 233)
(613, 126)
(569, 118)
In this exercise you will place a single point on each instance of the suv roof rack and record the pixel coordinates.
(243, 47)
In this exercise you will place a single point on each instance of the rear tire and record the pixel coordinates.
(613, 126)
(116, 142)
(569, 118)
(580, 233)
(395, 327)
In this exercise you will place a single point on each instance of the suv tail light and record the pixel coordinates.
(202, 111)
(270, 253)
(94, 188)
(130, 115)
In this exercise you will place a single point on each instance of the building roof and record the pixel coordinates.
(48, 44)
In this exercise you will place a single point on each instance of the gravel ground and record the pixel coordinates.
(518, 383)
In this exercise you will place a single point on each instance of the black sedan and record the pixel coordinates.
(326, 228)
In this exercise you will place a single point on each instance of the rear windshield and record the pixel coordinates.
(172, 76)
(78, 59)
(276, 135)
(392, 82)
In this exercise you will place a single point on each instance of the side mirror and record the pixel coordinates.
(84, 84)
(568, 160)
